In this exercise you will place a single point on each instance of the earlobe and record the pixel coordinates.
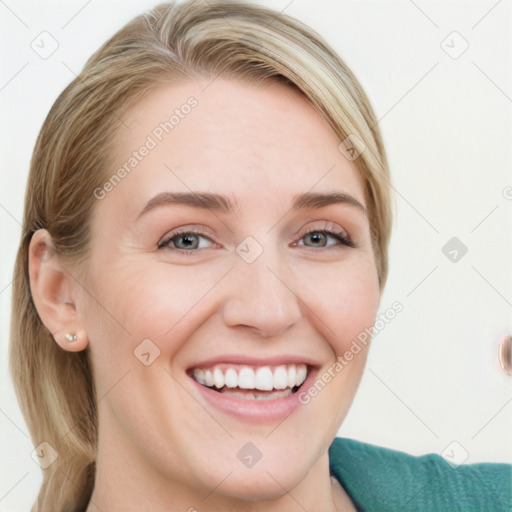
(72, 341)
(52, 288)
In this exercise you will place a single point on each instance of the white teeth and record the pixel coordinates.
(199, 375)
(231, 378)
(246, 378)
(280, 377)
(292, 376)
(302, 373)
(208, 378)
(264, 378)
(218, 378)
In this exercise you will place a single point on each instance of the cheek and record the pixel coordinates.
(152, 301)
(132, 304)
(343, 299)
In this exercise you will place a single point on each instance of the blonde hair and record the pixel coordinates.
(71, 158)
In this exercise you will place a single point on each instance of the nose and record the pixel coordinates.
(261, 297)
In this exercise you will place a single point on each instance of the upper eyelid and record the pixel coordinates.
(300, 233)
(328, 232)
(328, 229)
(203, 232)
(326, 226)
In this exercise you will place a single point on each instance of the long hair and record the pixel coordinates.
(72, 158)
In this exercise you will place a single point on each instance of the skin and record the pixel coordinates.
(161, 445)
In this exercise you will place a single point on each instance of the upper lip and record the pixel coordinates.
(242, 359)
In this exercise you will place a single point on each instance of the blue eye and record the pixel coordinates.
(320, 239)
(185, 241)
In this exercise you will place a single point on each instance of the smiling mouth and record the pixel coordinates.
(252, 383)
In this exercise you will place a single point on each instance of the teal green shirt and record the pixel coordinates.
(382, 480)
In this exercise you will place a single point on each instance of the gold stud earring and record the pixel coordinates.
(71, 337)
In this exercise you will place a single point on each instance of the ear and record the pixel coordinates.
(52, 288)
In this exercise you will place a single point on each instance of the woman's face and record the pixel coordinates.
(233, 251)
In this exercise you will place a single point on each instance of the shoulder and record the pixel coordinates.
(380, 479)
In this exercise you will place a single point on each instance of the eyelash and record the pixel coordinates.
(341, 237)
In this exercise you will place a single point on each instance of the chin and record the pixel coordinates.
(279, 469)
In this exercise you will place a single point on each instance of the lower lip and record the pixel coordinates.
(255, 411)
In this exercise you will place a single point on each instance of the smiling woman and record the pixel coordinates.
(172, 317)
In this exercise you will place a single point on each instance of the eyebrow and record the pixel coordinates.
(220, 202)
(319, 200)
(207, 201)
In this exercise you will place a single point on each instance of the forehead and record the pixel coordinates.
(253, 142)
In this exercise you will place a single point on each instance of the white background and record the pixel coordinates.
(433, 375)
